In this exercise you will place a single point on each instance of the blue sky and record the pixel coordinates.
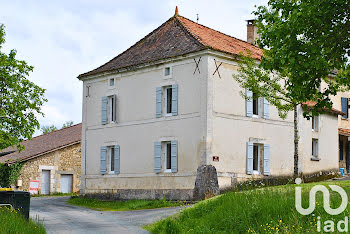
(64, 38)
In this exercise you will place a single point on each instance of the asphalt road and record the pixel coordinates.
(59, 217)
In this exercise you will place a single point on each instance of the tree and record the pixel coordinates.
(304, 43)
(48, 129)
(67, 124)
(20, 99)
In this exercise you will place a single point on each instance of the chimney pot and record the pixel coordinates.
(176, 11)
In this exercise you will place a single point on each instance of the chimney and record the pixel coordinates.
(252, 32)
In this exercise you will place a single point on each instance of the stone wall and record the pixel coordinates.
(63, 161)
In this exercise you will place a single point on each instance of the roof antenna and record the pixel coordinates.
(197, 18)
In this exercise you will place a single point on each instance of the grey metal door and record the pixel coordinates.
(45, 182)
(66, 183)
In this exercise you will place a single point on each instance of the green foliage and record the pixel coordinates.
(20, 99)
(121, 205)
(267, 210)
(9, 174)
(48, 129)
(13, 222)
(67, 124)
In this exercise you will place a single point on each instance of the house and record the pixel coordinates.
(168, 104)
(52, 159)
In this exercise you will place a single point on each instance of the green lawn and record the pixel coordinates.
(121, 205)
(13, 222)
(267, 210)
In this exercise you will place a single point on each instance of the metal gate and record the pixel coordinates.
(66, 183)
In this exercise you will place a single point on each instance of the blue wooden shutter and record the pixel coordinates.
(174, 102)
(159, 102)
(266, 109)
(344, 107)
(266, 159)
(173, 156)
(249, 158)
(103, 157)
(104, 110)
(157, 157)
(249, 102)
(116, 159)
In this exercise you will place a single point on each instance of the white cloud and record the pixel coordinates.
(62, 39)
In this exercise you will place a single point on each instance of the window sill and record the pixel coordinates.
(315, 158)
(255, 173)
(167, 171)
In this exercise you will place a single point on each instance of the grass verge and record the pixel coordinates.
(54, 195)
(121, 205)
(267, 210)
(13, 222)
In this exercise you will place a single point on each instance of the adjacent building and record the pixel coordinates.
(169, 104)
(52, 159)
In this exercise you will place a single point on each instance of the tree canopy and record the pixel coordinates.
(20, 99)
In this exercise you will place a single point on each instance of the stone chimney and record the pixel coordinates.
(252, 32)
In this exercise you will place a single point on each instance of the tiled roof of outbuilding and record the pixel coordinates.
(311, 104)
(177, 36)
(43, 144)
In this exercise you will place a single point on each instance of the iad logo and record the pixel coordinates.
(329, 225)
(326, 199)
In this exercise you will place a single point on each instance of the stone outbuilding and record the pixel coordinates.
(52, 159)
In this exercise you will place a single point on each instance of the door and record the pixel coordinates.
(45, 182)
(66, 183)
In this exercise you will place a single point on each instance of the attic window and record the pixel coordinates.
(111, 82)
(167, 71)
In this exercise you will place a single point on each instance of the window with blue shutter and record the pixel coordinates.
(104, 110)
(174, 102)
(249, 103)
(249, 158)
(344, 107)
(173, 156)
(159, 102)
(266, 159)
(116, 159)
(266, 109)
(157, 157)
(103, 156)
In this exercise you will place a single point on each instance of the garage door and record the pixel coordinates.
(45, 182)
(66, 183)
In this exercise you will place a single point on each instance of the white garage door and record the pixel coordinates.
(66, 183)
(45, 182)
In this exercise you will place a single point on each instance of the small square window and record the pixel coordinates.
(315, 148)
(167, 71)
(111, 82)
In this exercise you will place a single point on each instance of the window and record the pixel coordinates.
(167, 156)
(168, 100)
(167, 71)
(112, 108)
(315, 121)
(111, 160)
(341, 150)
(344, 107)
(111, 82)
(256, 158)
(315, 148)
(255, 104)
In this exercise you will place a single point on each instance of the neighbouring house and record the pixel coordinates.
(169, 104)
(53, 159)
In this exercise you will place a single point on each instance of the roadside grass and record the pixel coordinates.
(12, 221)
(55, 195)
(264, 210)
(100, 205)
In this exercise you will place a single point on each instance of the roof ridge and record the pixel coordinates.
(144, 38)
(213, 30)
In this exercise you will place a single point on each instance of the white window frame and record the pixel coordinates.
(166, 76)
(257, 172)
(111, 150)
(315, 148)
(315, 123)
(165, 154)
(165, 91)
(109, 82)
(111, 117)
